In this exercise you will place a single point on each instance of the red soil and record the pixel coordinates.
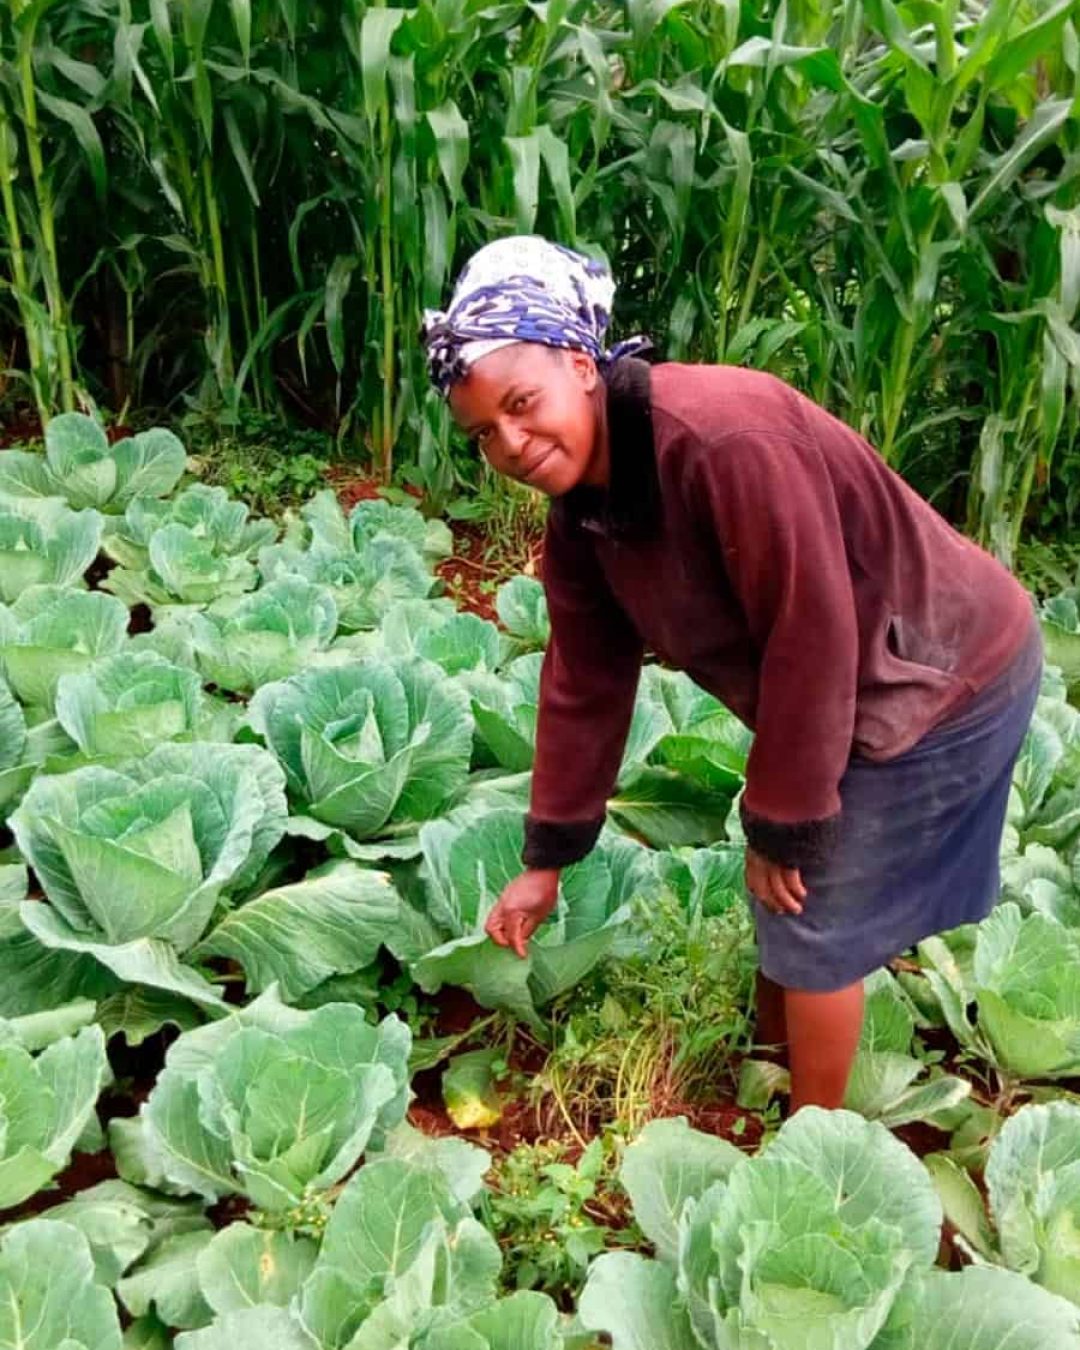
(481, 561)
(24, 428)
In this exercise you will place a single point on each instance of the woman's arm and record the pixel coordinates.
(587, 689)
(770, 500)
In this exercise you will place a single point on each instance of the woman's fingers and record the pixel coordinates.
(511, 924)
(759, 884)
(782, 902)
(779, 889)
(507, 931)
(519, 932)
(784, 889)
(495, 928)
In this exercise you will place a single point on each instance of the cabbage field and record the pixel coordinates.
(262, 783)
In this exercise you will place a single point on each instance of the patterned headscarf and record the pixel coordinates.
(522, 289)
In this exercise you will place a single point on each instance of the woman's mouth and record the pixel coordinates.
(535, 465)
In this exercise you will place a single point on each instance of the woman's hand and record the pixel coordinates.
(522, 908)
(779, 889)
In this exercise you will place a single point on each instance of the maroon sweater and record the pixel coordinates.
(754, 541)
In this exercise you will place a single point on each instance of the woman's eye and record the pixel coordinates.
(520, 403)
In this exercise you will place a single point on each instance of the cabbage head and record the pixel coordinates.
(208, 513)
(184, 569)
(1010, 991)
(81, 466)
(130, 703)
(190, 550)
(370, 747)
(43, 542)
(1033, 1184)
(804, 1247)
(466, 865)
(277, 631)
(824, 1241)
(403, 1264)
(327, 526)
(379, 555)
(434, 630)
(365, 583)
(274, 1103)
(50, 631)
(134, 859)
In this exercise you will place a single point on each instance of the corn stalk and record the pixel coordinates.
(858, 196)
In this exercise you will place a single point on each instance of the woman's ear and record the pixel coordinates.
(584, 368)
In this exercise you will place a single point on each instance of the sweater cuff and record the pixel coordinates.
(553, 844)
(799, 844)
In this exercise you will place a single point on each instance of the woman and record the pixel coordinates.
(717, 518)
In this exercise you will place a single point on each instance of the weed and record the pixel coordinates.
(657, 1029)
(401, 996)
(258, 457)
(1047, 568)
(551, 1216)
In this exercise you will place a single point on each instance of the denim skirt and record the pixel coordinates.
(918, 847)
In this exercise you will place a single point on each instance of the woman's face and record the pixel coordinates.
(534, 413)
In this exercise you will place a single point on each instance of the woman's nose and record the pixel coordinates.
(514, 439)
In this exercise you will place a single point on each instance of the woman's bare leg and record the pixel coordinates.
(823, 1036)
(770, 1032)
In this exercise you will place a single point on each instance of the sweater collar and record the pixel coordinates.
(629, 507)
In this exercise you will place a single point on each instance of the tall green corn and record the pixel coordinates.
(873, 199)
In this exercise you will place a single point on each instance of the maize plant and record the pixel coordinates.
(252, 201)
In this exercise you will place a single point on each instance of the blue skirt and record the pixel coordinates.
(919, 844)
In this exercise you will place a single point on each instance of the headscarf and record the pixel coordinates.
(522, 289)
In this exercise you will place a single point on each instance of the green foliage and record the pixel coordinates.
(81, 466)
(1033, 1193)
(48, 1103)
(551, 1215)
(684, 761)
(824, 1239)
(313, 932)
(466, 866)
(889, 1080)
(257, 456)
(272, 1103)
(661, 1024)
(181, 907)
(401, 1261)
(877, 205)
